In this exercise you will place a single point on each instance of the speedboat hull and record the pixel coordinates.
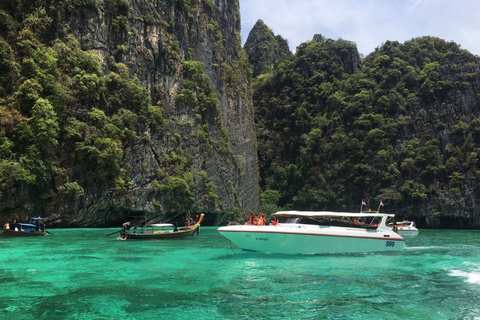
(299, 239)
(407, 232)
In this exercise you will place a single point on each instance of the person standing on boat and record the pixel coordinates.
(37, 226)
(188, 219)
(123, 232)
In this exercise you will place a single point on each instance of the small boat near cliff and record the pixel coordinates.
(159, 231)
(35, 228)
(406, 228)
(318, 232)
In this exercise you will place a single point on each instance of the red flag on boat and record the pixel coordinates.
(363, 203)
(381, 203)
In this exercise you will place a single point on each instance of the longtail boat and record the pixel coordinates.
(159, 231)
(35, 228)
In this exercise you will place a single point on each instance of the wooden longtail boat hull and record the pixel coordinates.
(163, 234)
(13, 233)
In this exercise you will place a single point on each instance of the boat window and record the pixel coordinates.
(298, 220)
(349, 222)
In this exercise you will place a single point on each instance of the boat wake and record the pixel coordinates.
(470, 277)
(424, 248)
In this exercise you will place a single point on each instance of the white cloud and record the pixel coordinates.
(368, 23)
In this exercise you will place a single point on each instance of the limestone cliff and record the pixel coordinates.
(400, 126)
(202, 158)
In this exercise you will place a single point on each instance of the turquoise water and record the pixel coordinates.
(74, 274)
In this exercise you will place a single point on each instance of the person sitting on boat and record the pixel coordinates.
(273, 222)
(175, 227)
(6, 226)
(262, 219)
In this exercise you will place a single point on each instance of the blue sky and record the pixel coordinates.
(368, 23)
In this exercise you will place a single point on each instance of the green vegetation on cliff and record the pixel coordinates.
(400, 125)
(42, 105)
(115, 108)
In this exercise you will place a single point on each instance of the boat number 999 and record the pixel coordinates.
(390, 244)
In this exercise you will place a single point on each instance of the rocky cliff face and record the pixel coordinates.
(400, 126)
(443, 118)
(203, 158)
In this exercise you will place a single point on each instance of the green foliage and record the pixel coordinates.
(63, 122)
(148, 19)
(328, 137)
(27, 95)
(120, 23)
(72, 189)
(225, 142)
(9, 70)
(38, 22)
(178, 189)
(44, 123)
(84, 4)
(155, 115)
(75, 129)
(124, 92)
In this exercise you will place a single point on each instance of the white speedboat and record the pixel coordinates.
(406, 228)
(318, 232)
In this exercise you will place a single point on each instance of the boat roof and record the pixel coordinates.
(37, 218)
(330, 213)
(26, 224)
(160, 225)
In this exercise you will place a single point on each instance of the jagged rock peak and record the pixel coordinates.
(264, 48)
(345, 51)
(319, 38)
